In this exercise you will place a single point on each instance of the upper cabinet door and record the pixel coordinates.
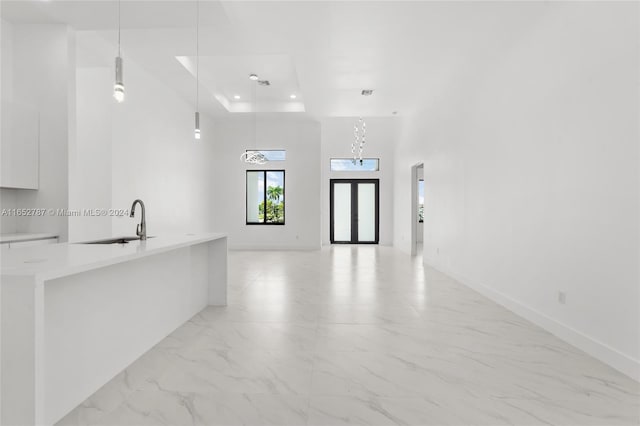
(19, 146)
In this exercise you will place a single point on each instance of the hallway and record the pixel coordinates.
(359, 335)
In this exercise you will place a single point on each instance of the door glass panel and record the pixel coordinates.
(366, 212)
(342, 212)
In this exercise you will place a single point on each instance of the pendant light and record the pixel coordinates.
(360, 134)
(196, 133)
(254, 157)
(118, 87)
(363, 128)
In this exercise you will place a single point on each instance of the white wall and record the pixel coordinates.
(309, 147)
(36, 71)
(90, 163)
(337, 135)
(8, 224)
(531, 172)
(300, 137)
(6, 56)
(143, 148)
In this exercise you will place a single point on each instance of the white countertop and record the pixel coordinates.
(51, 261)
(14, 238)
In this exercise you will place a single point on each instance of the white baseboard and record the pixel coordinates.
(601, 351)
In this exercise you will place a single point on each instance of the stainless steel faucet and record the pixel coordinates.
(141, 229)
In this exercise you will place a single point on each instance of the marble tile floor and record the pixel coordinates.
(358, 336)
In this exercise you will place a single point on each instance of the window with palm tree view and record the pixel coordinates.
(265, 197)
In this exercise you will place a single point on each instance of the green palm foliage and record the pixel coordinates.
(273, 194)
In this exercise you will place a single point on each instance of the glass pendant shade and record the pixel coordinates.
(197, 129)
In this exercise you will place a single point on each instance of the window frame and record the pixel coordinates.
(418, 212)
(246, 198)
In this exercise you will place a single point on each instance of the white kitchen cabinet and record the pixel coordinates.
(19, 146)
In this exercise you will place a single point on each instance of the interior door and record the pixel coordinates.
(355, 207)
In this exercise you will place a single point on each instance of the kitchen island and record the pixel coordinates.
(74, 315)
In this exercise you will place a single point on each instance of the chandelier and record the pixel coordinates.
(253, 157)
(359, 139)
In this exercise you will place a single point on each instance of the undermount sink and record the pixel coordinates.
(119, 240)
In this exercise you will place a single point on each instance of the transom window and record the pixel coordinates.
(349, 165)
(271, 154)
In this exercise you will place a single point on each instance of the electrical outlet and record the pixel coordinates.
(562, 297)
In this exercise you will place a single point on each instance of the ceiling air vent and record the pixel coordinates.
(264, 83)
(367, 92)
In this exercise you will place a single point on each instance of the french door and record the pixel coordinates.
(354, 211)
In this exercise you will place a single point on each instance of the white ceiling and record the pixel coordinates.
(325, 52)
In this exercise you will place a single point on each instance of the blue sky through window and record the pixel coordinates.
(272, 154)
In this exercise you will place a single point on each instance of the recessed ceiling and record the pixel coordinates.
(227, 76)
(325, 52)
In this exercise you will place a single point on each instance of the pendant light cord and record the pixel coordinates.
(119, 54)
(197, 54)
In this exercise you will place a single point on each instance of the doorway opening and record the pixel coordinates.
(354, 211)
(417, 208)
